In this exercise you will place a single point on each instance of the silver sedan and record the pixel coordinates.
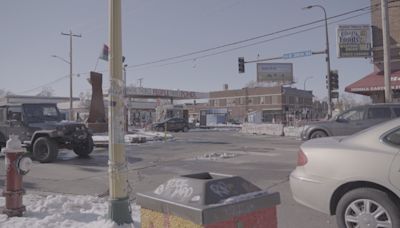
(356, 178)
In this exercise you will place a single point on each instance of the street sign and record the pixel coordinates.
(297, 54)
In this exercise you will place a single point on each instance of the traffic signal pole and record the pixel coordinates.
(118, 209)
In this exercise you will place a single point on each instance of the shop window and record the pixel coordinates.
(276, 99)
(222, 102)
(267, 100)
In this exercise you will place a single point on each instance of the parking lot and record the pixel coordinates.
(264, 160)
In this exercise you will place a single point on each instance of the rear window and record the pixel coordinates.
(379, 113)
(393, 138)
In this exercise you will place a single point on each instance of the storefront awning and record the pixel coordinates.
(374, 82)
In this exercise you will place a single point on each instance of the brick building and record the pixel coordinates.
(276, 104)
(373, 84)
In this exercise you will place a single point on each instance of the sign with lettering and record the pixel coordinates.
(274, 72)
(163, 93)
(354, 41)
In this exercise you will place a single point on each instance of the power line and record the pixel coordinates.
(246, 40)
(257, 43)
(369, 8)
(44, 85)
(250, 39)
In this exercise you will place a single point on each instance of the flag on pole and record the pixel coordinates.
(104, 53)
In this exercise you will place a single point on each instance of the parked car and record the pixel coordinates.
(356, 178)
(351, 121)
(42, 131)
(173, 124)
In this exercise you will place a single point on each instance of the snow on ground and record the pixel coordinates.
(139, 136)
(64, 211)
(216, 156)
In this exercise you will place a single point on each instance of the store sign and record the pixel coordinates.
(274, 72)
(353, 41)
(177, 94)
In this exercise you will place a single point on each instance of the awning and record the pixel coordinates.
(374, 82)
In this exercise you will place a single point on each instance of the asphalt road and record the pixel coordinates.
(263, 160)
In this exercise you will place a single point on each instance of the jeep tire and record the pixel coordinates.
(45, 150)
(84, 148)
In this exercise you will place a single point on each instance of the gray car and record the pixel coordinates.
(351, 121)
(356, 178)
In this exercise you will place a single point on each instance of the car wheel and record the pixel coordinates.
(185, 129)
(367, 207)
(318, 134)
(83, 149)
(45, 150)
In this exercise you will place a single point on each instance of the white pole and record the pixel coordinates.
(118, 173)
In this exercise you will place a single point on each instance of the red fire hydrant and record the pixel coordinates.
(17, 165)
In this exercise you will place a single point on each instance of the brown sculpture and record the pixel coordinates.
(97, 119)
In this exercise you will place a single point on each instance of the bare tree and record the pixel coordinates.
(84, 99)
(349, 100)
(46, 92)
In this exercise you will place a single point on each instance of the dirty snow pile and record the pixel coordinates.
(65, 211)
(217, 156)
(138, 137)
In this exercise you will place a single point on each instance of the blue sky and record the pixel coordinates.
(157, 29)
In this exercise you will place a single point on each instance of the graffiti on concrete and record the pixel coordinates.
(175, 188)
(220, 188)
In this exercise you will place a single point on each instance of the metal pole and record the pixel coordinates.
(328, 62)
(125, 102)
(71, 115)
(386, 50)
(70, 34)
(118, 210)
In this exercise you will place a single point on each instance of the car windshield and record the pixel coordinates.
(40, 113)
(352, 115)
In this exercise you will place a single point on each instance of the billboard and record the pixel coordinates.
(353, 41)
(274, 72)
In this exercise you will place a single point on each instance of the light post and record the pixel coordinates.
(305, 81)
(125, 102)
(70, 84)
(328, 63)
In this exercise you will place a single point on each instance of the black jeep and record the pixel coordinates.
(42, 130)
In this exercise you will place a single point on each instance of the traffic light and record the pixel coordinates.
(241, 64)
(334, 79)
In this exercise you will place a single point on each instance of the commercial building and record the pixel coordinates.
(278, 104)
(372, 85)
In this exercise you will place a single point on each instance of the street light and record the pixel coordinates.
(328, 63)
(70, 89)
(305, 81)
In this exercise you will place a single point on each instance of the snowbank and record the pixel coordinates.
(65, 211)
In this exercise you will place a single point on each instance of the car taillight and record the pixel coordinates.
(301, 158)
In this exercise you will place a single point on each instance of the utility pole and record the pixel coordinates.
(328, 62)
(70, 34)
(118, 210)
(140, 82)
(386, 50)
